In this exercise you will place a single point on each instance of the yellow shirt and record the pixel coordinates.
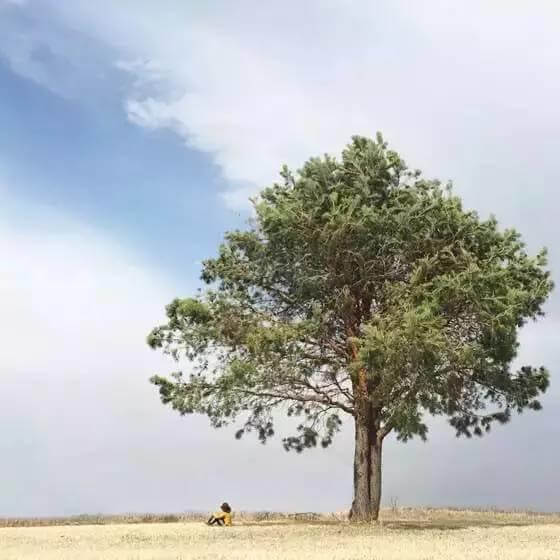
(225, 516)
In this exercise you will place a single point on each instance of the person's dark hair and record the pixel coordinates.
(225, 507)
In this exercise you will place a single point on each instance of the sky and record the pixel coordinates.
(132, 134)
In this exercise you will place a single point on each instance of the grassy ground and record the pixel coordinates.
(403, 535)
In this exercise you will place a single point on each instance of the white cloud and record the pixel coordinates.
(74, 365)
(70, 291)
(72, 303)
(258, 87)
(83, 430)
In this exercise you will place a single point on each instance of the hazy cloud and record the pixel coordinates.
(465, 90)
(83, 430)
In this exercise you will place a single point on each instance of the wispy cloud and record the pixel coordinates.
(52, 54)
(258, 87)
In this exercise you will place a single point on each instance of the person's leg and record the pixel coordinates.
(220, 522)
(211, 521)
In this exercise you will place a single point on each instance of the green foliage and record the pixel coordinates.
(358, 267)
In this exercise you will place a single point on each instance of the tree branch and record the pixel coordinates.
(298, 398)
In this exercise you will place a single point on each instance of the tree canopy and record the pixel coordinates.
(359, 288)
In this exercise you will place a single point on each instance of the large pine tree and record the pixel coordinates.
(362, 289)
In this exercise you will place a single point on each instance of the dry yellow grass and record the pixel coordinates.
(418, 535)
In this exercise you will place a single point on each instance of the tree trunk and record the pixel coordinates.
(367, 470)
(376, 451)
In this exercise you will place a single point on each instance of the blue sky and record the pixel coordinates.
(77, 151)
(132, 135)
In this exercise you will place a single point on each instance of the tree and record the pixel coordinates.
(360, 288)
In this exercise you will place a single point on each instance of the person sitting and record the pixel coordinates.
(222, 517)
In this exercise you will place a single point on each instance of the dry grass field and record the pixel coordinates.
(403, 535)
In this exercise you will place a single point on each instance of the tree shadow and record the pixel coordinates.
(444, 525)
(400, 525)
